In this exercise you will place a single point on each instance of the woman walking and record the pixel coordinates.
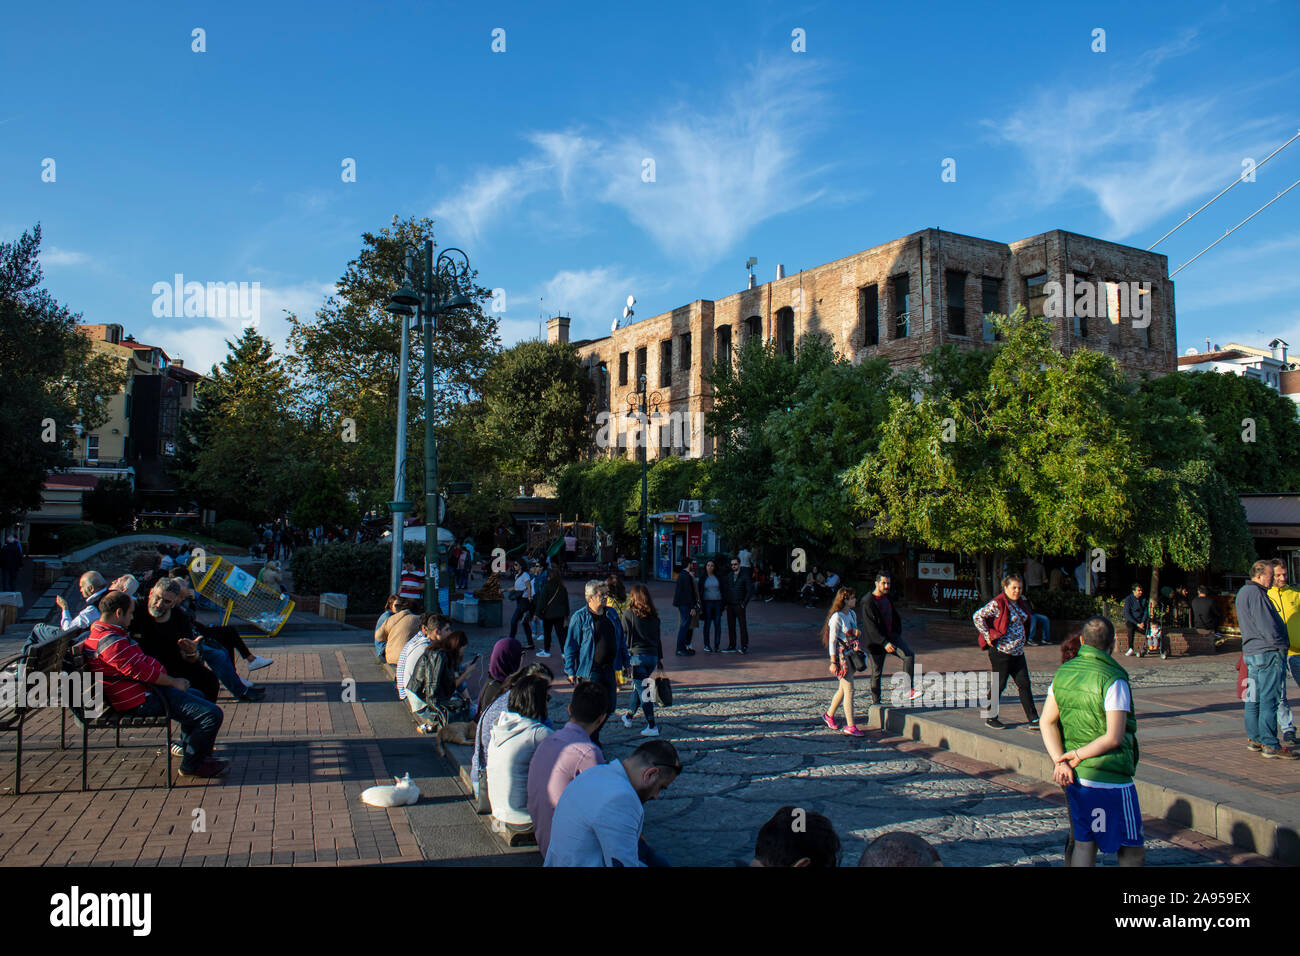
(523, 592)
(641, 628)
(711, 591)
(1001, 624)
(553, 606)
(839, 636)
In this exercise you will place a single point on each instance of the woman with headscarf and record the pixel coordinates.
(506, 656)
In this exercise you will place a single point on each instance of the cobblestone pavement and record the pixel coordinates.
(748, 750)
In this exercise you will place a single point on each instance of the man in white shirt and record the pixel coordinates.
(599, 817)
(92, 588)
(746, 561)
(833, 581)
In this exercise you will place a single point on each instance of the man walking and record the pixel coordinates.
(1264, 645)
(1090, 731)
(737, 589)
(595, 646)
(686, 598)
(882, 626)
(1287, 601)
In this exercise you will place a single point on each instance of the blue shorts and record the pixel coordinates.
(1107, 816)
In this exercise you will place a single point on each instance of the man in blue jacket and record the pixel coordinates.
(595, 647)
(1137, 615)
(1264, 645)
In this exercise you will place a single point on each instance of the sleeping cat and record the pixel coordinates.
(404, 793)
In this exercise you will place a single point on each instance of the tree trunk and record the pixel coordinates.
(982, 576)
(1153, 595)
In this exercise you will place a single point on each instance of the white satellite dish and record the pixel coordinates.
(1191, 352)
(631, 301)
(614, 326)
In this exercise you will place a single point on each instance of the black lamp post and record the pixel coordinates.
(639, 399)
(436, 284)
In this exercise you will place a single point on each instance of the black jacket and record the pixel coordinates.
(875, 629)
(688, 591)
(642, 634)
(737, 588)
(1206, 613)
(553, 602)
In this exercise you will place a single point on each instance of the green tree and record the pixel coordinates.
(762, 382)
(1254, 431)
(535, 397)
(248, 464)
(345, 361)
(50, 379)
(1032, 456)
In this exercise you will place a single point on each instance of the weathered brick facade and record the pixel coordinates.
(905, 285)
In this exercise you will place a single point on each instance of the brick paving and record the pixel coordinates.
(301, 757)
(299, 761)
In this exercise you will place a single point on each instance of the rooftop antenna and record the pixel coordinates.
(627, 312)
(749, 264)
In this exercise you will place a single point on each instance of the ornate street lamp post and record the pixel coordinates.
(646, 405)
(436, 284)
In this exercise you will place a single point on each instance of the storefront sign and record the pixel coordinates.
(945, 592)
(1275, 531)
(936, 571)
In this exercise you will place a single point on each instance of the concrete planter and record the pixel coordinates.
(489, 613)
(465, 611)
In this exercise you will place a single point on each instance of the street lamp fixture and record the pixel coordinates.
(432, 289)
(645, 403)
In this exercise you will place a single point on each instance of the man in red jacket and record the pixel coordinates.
(135, 684)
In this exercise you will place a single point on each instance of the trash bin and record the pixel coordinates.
(489, 613)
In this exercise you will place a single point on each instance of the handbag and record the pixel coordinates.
(854, 656)
(695, 618)
(663, 692)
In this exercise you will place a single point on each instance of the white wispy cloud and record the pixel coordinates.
(694, 179)
(1140, 155)
(201, 341)
(54, 256)
(592, 298)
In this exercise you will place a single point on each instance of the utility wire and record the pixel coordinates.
(1235, 228)
(1230, 185)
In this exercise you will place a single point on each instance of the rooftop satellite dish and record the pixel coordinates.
(631, 301)
(1191, 352)
(614, 326)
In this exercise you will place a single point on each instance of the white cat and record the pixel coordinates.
(403, 794)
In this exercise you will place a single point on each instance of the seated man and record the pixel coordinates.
(599, 818)
(435, 691)
(135, 684)
(1207, 616)
(92, 588)
(166, 633)
(563, 755)
(794, 837)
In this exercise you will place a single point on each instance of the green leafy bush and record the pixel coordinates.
(1059, 605)
(72, 537)
(238, 533)
(361, 571)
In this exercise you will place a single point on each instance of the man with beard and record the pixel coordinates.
(166, 634)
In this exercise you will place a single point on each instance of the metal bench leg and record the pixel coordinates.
(117, 735)
(63, 728)
(18, 773)
(84, 735)
(169, 754)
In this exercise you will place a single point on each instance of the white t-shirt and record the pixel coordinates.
(841, 622)
(744, 557)
(1118, 697)
(524, 584)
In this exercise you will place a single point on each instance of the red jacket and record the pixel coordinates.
(1003, 621)
(109, 651)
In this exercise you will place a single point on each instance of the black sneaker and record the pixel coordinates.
(253, 693)
(211, 767)
(995, 724)
(744, 650)
(1254, 746)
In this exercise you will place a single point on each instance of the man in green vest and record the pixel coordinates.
(1090, 733)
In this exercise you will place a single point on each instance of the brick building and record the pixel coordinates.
(898, 300)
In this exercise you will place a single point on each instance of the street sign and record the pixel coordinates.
(459, 487)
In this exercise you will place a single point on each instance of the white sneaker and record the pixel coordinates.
(259, 662)
(543, 653)
(1129, 652)
(650, 732)
(627, 721)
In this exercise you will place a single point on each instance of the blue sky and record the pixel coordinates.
(225, 165)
